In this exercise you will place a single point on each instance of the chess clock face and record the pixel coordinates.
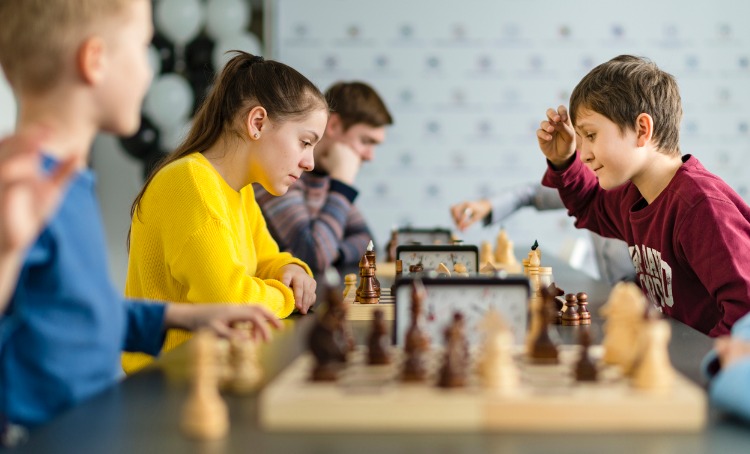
(473, 297)
(432, 256)
(409, 235)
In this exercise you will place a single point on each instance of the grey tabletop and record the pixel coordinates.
(141, 414)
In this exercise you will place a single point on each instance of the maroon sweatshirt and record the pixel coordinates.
(690, 247)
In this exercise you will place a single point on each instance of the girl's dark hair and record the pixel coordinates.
(247, 81)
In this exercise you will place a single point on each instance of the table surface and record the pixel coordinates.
(141, 414)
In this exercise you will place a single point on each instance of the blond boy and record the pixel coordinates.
(75, 68)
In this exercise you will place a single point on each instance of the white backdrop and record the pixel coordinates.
(468, 83)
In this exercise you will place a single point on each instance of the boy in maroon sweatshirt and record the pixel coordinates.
(688, 232)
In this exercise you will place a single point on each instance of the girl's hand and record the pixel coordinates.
(303, 286)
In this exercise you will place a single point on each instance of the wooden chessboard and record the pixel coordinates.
(372, 398)
(357, 311)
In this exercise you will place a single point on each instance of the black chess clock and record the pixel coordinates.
(472, 297)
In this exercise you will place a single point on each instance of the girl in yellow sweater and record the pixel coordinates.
(197, 233)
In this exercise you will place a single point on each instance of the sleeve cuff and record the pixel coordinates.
(344, 189)
(145, 330)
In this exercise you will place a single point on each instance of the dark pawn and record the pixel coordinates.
(453, 370)
(585, 368)
(328, 341)
(543, 350)
(417, 343)
(583, 309)
(570, 317)
(378, 342)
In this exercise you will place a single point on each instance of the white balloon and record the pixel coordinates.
(172, 137)
(227, 17)
(169, 101)
(245, 41)
(179, 20)
(154, 59)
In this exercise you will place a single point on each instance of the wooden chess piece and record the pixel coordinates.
(378, 343)
(485, 253)
(247, 372)
(392, 245)
(417, 343)
(495, 365)
(370, 253)
(453, 371)
(585, 369)
(583, 309)
(542, 349)
(350, 288)
(327, 347)
(329, 339)
(557, 306)
(366, 293)
(205, 415)
(654, 372)
(570, 317)
(623, 324)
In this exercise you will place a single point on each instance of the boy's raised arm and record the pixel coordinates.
(27, 200)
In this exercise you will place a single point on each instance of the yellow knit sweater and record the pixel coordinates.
(194, 239)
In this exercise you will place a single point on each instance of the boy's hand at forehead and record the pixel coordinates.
(341, 162)
(28, 197)
(303, 286)
(557, 138)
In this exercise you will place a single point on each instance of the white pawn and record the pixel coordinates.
(350, 288)
(205, 415)
(624, 313)
(495, 365)
(485, 253)
(245, 365)
(654, 371)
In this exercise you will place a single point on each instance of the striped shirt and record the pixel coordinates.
(316, 221)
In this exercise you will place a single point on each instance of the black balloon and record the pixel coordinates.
(200, 81)
(143, 142)
(165, 49)
(199, 52)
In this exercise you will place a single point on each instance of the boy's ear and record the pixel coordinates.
(334, 127)
(257, 119)
(644, 128)
(90, 60)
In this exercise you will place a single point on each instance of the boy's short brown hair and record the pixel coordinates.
(627, 86)
(357, 102)
(38, 37)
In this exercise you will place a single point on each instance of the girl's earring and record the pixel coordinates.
(256, 135)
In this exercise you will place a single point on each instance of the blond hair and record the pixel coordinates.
(39, 37)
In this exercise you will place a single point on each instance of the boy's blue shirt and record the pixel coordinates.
(729, 388)
(66, 324)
